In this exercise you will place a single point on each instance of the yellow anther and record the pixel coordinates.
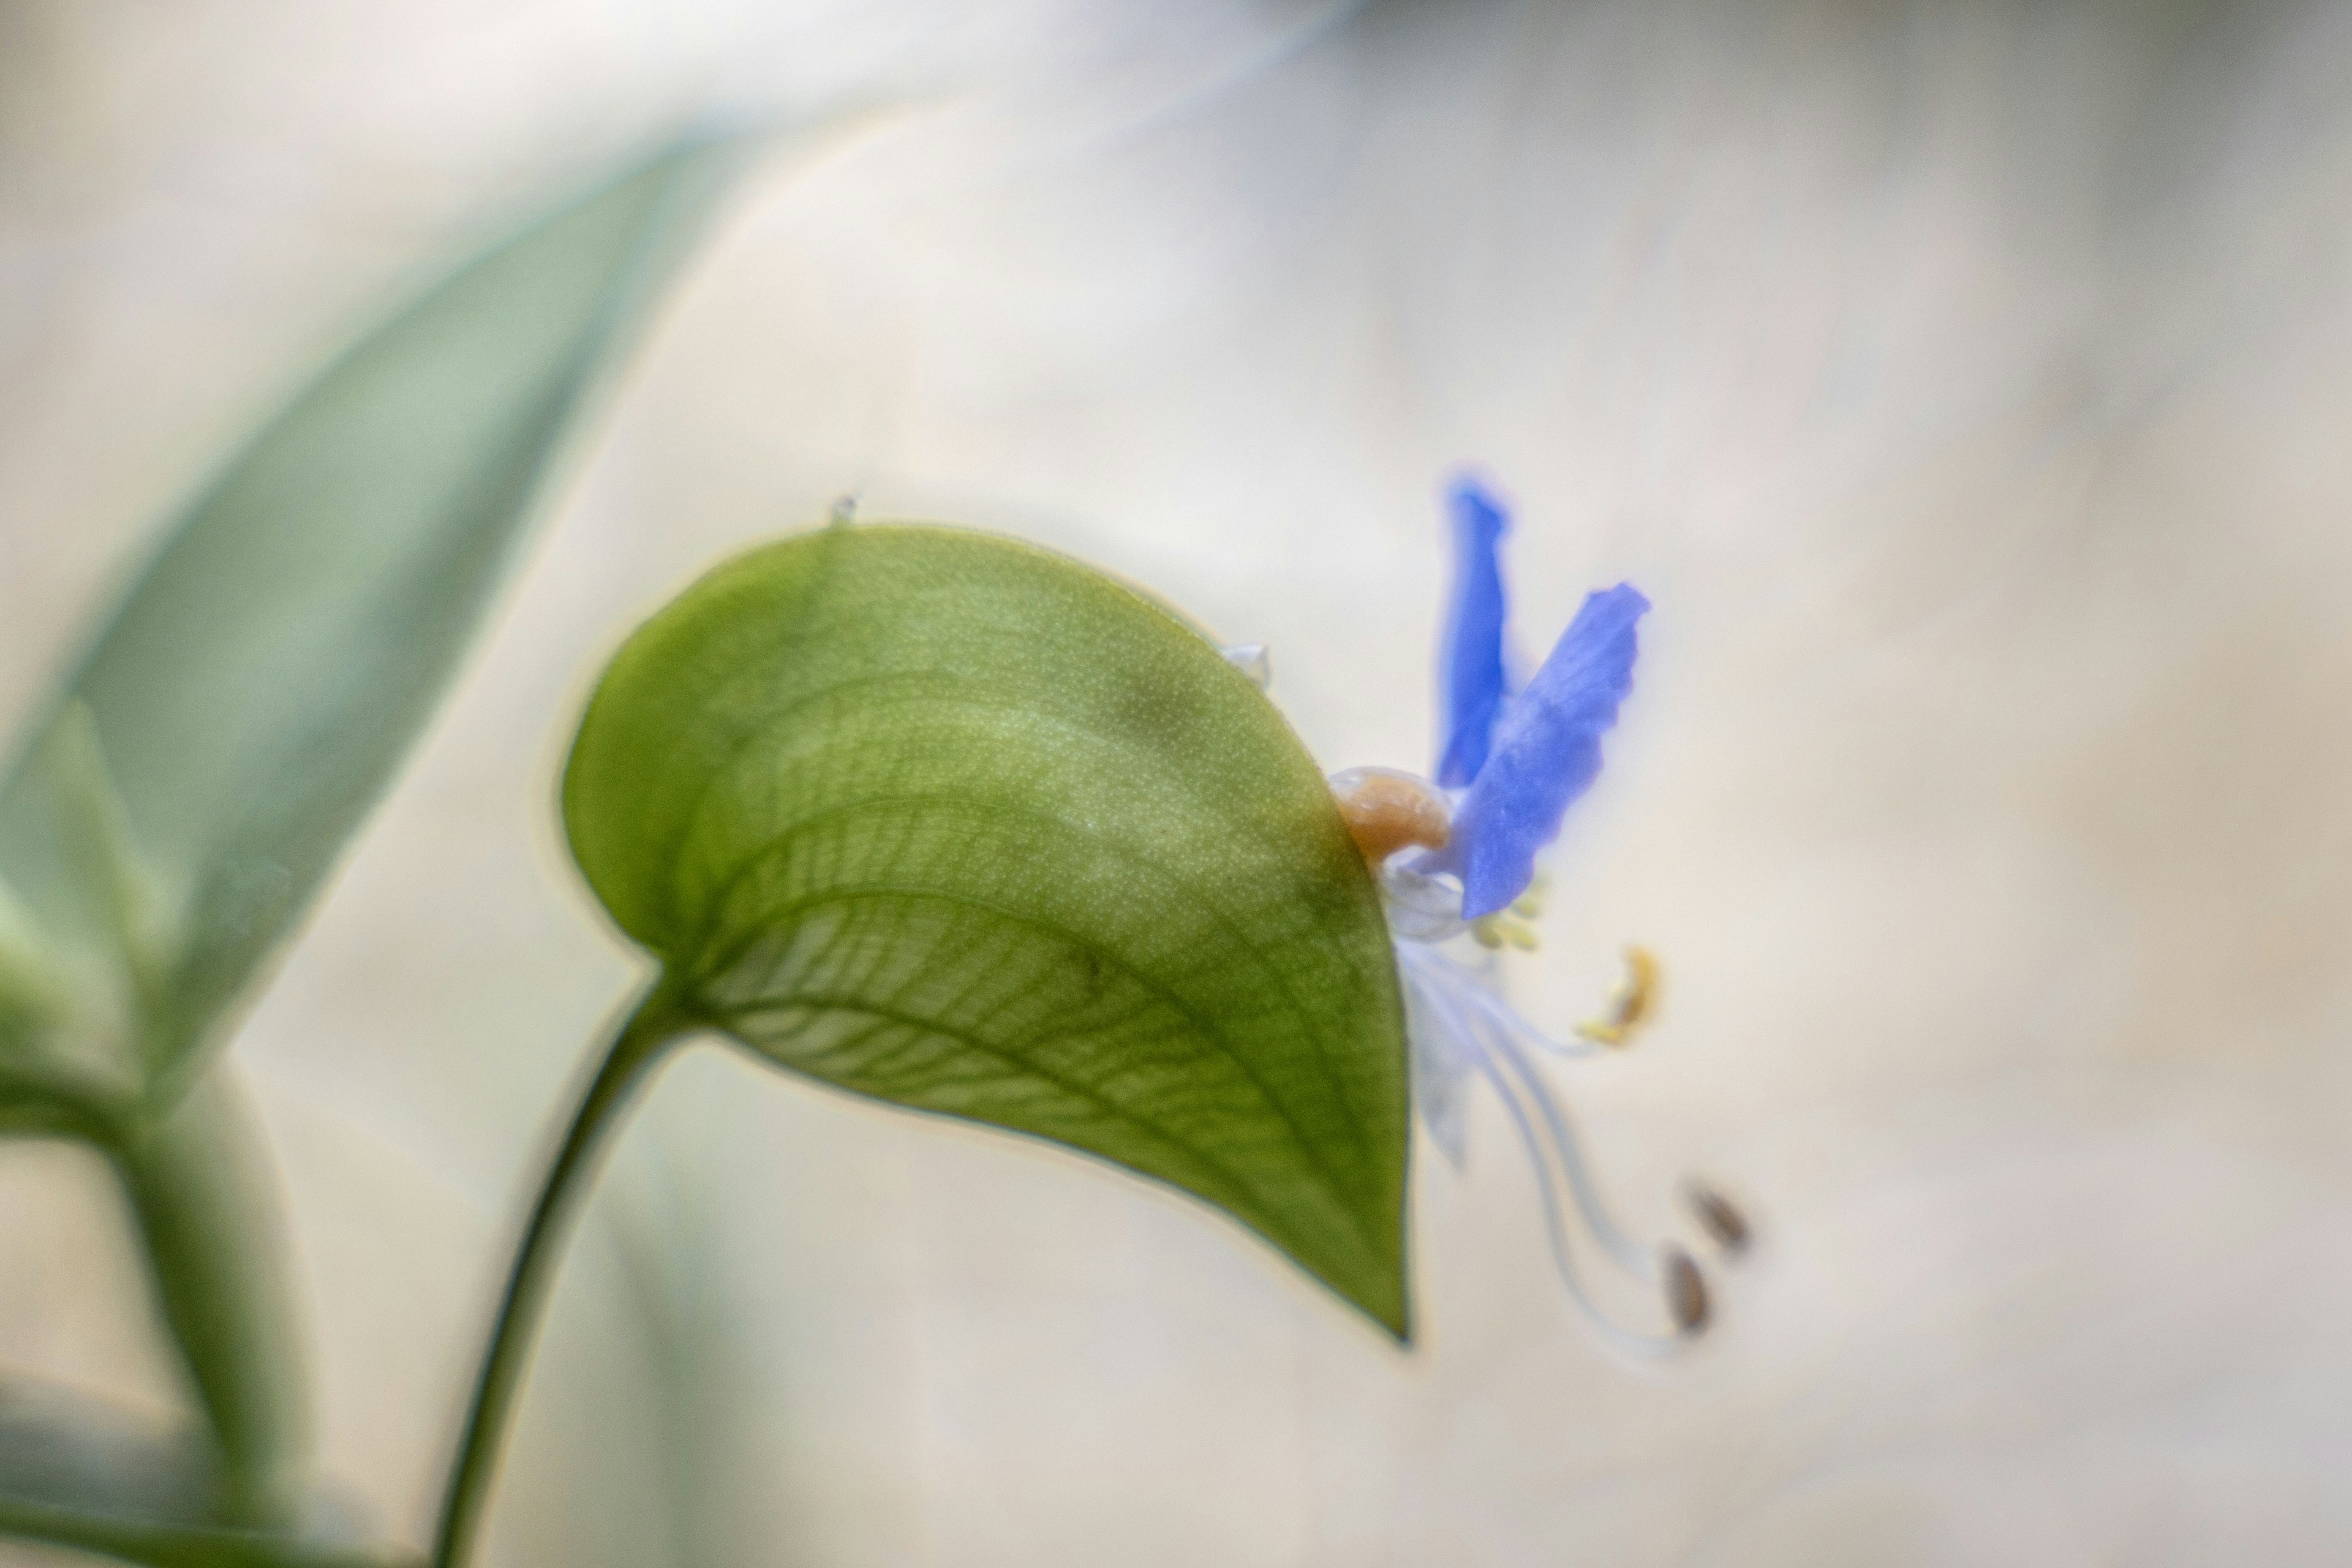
(1529, 904)
(1501, 930)
(1631, 1004)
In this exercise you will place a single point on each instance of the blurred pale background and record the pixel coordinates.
(1968, 385)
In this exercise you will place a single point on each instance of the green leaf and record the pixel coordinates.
(266, 673)
(970, 827)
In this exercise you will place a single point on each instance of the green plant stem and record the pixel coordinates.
(638, 1047)
(193, 1177)
(163, 1544)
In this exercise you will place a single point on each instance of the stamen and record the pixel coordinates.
(1718, 1216)
(1629, 1255)
(1631, 1004)
(1504, 1019)
(1492, 1034)
(1500, 930)
(1529, 905)
(1687, 1298)
(1555, 1223)
(1386, 810)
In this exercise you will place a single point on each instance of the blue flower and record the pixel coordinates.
(1522, 760)
(1509, 765)
(1471, 667)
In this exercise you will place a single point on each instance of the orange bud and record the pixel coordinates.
(1386, 810)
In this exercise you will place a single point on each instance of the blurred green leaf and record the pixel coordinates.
(265, 675)
(79, 1473)
(967, 827)
(179, 1543)
(176, 811)
(202, 1200)
(72, 1450)
(30, 994)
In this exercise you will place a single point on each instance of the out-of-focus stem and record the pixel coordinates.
(634, 1053)
(162, 1543)
(195, 1178)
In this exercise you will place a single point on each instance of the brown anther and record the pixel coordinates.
(1385, 811)
(1631, 1004)
(1719, 1217)
(1686, 1299)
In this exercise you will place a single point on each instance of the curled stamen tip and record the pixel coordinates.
(1630, 1003)
(1721, 1218)
(1686, 1297)
(1386, 810)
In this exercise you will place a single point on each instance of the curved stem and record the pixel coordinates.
(639, 1044)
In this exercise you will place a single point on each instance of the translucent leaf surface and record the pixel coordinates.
(262, 679)
(967, 827)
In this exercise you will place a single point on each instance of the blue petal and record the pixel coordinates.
(1472, 661)
(1546, 752)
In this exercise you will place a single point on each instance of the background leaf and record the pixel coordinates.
(76, 1471)
(224, 734)
(198, 1189)
(69, 1450)
(967, 827)
(263, 677)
